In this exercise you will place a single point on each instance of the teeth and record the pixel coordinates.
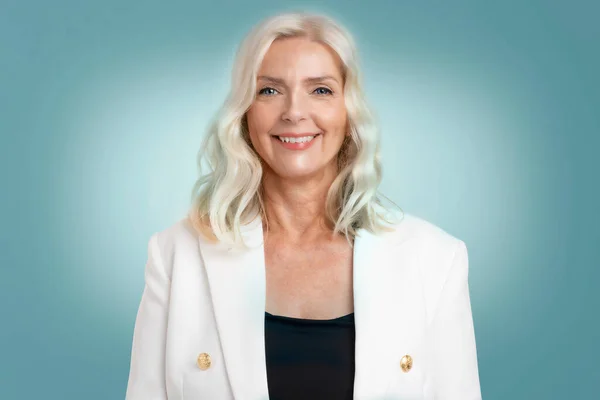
(296, 140)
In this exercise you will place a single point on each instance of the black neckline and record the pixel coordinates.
(286, 318)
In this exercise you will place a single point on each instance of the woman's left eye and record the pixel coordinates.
(328, 91)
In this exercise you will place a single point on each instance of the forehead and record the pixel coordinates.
(300, 56)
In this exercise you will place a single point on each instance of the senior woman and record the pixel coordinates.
(289, 278)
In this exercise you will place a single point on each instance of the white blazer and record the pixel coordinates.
(411, 298)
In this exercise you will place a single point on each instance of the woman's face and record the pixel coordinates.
(299, 95)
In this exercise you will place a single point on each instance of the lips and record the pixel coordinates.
(296, 145)
(304, 138)
(297, 135)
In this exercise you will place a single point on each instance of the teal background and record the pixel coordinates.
(490, 127)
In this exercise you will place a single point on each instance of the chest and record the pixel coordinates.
(309, 281)
(221, 313)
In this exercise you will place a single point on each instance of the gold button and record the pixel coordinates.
(406, 363)
(203, 361)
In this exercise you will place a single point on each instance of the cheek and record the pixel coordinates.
(332, 118)
(259, 125)
(254, 124)
(260, 119)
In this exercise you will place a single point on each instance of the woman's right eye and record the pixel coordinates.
(262, 91)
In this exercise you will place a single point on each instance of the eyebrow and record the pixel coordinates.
(308, 80)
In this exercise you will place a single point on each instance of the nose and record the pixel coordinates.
(295, 109)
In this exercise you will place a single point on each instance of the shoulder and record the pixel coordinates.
(421, 232)
(437, 247)
(179, 233)
(440, 254)
(177, 239)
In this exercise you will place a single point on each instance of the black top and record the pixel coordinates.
(310, 358)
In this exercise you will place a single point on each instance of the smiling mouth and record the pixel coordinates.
(299, 139)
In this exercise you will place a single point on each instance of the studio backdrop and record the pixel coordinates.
(489, 116)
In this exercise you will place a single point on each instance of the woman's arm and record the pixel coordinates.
(455, 369)
(147, 370)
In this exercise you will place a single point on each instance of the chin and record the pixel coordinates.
(297, 173)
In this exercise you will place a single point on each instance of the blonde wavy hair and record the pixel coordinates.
(230, 194)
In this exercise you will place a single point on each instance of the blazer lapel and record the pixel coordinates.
(385, 293)
(388, 316)
(238, 289)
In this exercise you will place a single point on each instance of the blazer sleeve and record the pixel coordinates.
(147, 368)
(455, 367)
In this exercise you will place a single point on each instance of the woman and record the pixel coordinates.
(289, 279)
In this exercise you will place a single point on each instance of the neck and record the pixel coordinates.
(295, 209)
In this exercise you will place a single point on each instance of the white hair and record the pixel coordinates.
(230, 195)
